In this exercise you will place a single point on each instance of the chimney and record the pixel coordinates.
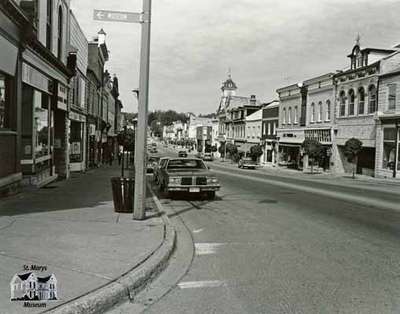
(253, 100)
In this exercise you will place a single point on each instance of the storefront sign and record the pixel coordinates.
(62, 92)
(92, 129)
(77, 117)
(8, 56)
(36, 79)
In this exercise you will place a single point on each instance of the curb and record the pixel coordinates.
(130, 283)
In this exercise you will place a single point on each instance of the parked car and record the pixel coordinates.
(182, 153)
(151, 163)
(157, 167)
(187, 175)
(247, 163)
(208, 157)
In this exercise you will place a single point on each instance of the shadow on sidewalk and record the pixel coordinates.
(82, 190)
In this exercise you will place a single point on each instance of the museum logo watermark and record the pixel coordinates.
(34, 286)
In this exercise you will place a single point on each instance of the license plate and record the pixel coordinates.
(194, 190)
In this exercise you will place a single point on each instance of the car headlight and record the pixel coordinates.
(212, 180)
(174, 180)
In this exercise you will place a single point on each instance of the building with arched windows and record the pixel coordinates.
(357, 105)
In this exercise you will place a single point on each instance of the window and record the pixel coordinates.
(49, 23)
(342, 102)
(372, 99)
(274, 128)
(361, 100)
(41, 124)
(392, 96)
(60, 33)
(312, 112)
(284, 116)
(5, 101)
(319, 111)
(290, 116)
(295, 115)
(389, 149)
(351, 102)
(328, 110)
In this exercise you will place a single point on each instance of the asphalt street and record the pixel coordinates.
(271, 244)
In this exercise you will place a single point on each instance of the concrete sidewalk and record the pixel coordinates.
(70, 228)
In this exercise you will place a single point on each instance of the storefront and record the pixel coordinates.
(10, 169)
(388, 161)
(77, 141)
(37, 127)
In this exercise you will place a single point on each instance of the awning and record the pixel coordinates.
(289, 145)
(8, 57)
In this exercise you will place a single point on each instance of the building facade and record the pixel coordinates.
(270, 122)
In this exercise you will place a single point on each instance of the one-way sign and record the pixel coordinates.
(118, 16)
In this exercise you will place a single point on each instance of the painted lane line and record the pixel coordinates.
(201, 284)
(207, 248)
(198, 230)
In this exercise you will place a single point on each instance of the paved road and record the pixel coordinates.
(282, 245)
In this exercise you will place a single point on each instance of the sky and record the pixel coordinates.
(268, 44)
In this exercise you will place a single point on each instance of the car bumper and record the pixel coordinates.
(193, 188)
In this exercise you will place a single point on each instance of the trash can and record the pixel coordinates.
(123, 189)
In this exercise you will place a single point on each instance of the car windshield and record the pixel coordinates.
(185, 164)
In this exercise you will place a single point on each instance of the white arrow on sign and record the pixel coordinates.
(118, 16)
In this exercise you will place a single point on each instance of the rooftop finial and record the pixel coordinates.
(229, 72)
(358, 39)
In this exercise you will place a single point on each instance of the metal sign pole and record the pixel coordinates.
(140, 150)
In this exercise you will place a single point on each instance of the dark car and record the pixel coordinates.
(247, 163)
(187, 175)
(182, 153)
(151, 163)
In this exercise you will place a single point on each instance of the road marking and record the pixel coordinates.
(201, 284)
(198, 230)
(207, 248)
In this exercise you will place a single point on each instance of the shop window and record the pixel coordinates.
(392, 96)
(361, 100)
(372, 99)
(41, 124)
(389, 149)
(351, 102)
(5, 101)
(76, 141)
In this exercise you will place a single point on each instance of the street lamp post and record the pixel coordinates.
(140, 151)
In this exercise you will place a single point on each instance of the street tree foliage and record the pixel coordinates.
(256, 151)
(158, 119)
(352, 148)
(221, 150)
(208, 115)
(231, 149)
(314, 150)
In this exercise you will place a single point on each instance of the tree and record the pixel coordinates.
(313, 149)
(221, 149)
(231, 149)
(256, 151)
(352, 148)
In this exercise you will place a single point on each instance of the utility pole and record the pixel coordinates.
(139, 204)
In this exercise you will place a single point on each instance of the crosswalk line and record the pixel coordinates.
(207, 248)
(201, 284)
